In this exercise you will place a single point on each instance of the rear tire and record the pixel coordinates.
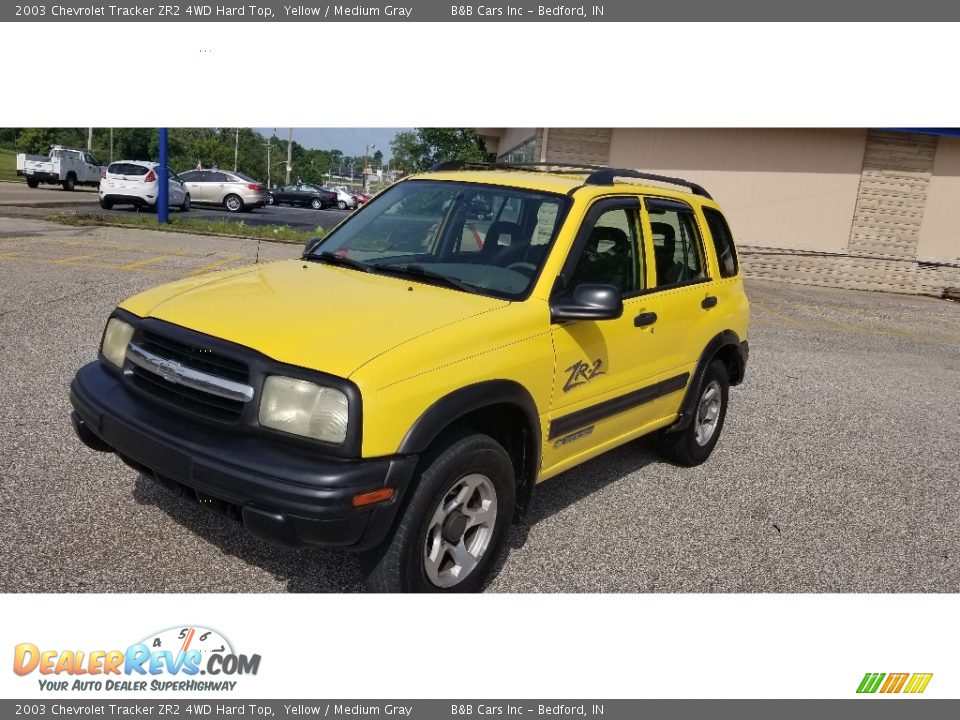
(33, 183)
(693, 445)
(106, 204)
(316, 204)
(233, 203)
(342, 205)
(70, 183)
(454, 525)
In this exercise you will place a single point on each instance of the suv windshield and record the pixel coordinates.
(493, 239)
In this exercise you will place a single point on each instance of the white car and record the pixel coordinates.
(134, 182)
(345, 199)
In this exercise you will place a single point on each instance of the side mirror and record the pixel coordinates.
(311, 245)
(589, 301)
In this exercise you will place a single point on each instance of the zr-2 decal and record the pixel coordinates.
(575, 436)
(581, 373)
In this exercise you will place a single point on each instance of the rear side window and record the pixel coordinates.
(722, 242)
(677, 246)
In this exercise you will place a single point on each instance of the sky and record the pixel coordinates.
(350, 141)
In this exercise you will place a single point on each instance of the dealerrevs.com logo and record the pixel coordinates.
(892, 683)
(171, 660)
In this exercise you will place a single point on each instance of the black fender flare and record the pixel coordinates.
(450, 408)
(727, 338)
(447, 410)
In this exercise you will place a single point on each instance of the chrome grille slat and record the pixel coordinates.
(180, 374)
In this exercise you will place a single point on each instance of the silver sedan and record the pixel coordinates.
(234, 190)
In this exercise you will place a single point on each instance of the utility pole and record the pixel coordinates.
(89, 139)
(268, 163)
(366, 154)
(289, 154)
(111, 144)
(236, 149)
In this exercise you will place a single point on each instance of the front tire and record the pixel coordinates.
(106, 204)
(454, 526)
(693, 445)
(33, 183)
(185, 205)
(342, 205)
(233, 203)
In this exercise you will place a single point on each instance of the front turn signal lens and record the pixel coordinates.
(372, 497)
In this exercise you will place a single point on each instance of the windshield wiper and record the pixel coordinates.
(334, 259)
(419, 271)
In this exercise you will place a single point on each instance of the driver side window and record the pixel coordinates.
(610, 255)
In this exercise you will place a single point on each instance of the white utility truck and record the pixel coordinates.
(61, 166)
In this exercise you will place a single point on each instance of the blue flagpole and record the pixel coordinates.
(163, 180)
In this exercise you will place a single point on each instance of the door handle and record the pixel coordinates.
(708, 302)
(644, 319)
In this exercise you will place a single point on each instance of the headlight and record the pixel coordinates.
(115, 340)
(304, 408)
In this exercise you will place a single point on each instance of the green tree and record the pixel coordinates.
(406, 151)
(135, 143)
(451, 144)
(424, 147)
(36, 141)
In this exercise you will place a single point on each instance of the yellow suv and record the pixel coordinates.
(402, 387)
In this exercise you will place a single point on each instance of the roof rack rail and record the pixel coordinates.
(596, 174)
(448, 165)
(606, 176)
(552, 167)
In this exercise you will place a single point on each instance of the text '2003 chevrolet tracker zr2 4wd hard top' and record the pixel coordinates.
(402, 388)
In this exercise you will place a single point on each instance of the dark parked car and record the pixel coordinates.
(305, 194)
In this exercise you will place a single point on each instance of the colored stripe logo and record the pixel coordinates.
(914, 683)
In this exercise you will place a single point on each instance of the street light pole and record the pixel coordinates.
(366, 154)
(289, 154)
(236, 149)
(268, 163)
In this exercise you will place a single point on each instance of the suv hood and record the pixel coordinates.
(308, 314)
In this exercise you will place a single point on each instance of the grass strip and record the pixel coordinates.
(195, 226)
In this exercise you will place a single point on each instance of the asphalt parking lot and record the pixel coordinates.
(84, 200)
(838, 469)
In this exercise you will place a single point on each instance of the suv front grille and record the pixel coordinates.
(194, 357)
(188, 377)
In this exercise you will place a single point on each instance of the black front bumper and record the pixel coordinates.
(280, 492)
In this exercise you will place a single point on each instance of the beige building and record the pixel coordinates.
(868, 209)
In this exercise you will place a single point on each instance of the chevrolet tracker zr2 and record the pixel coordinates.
(401, 388)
